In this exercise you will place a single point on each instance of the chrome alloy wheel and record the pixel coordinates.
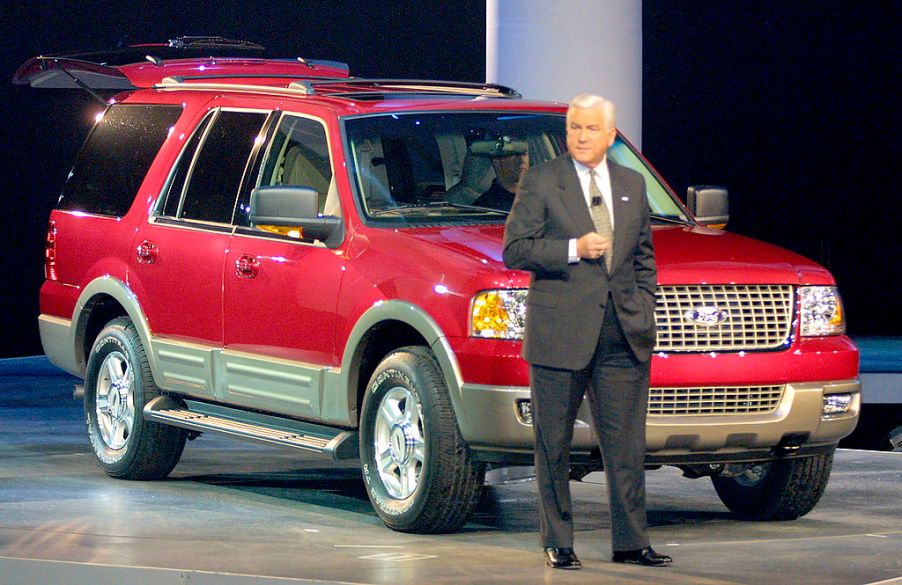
(115, 400)
(400, 448)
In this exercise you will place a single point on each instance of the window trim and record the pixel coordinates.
(207, 122)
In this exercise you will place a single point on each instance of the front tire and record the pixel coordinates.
(419, 473)
(780, 490)
(118, 384)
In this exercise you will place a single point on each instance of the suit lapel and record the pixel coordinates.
(618, 193)
(572, 195)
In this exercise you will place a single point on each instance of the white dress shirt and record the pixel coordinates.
(603, 180)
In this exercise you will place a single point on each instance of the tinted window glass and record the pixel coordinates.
(173, 191)
(216, 176)
(111, 165)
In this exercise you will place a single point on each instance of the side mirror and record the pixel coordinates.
(710, 205)
(294, 211)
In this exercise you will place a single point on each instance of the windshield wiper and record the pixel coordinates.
(431, 204)
(477, 208)
(670, 219)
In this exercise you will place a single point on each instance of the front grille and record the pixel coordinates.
(714, 400)
(739, 317)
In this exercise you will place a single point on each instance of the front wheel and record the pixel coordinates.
(118, 384)
(779, 490)
(419, 473)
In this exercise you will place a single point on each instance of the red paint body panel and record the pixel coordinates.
(87, 247)
(288, 309)
(181, 292)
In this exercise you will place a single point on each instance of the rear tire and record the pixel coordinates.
(419, 473)
(780, 490)
(118, 384)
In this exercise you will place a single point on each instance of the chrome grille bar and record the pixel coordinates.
(714, 400)
(749, 317)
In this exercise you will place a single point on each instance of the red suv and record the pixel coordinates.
(276, 251)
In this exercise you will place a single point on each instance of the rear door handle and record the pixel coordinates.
(147, 252)
(247, 266)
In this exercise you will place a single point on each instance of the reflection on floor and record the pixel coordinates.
(234, 514)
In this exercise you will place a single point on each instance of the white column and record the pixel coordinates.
(555, 49)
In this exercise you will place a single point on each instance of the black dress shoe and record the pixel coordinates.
(561, 558)
(646, 557)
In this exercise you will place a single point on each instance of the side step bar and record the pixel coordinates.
(338, 444)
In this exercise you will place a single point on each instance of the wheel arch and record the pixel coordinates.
(102, 300)
(384, 327)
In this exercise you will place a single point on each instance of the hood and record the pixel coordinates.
(685, 255)
(699, 255)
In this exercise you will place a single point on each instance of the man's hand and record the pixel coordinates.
(592, 246)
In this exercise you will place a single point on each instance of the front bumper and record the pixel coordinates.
(494, 427)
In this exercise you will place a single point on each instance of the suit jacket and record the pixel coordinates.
(566, 302)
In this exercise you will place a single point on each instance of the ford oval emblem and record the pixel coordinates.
(706, 316)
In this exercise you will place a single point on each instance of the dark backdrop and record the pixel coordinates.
(788, 104)
(792, 106)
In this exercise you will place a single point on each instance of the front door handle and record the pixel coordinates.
(147, 252)
(247, 266)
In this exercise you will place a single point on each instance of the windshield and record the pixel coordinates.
(429, 168)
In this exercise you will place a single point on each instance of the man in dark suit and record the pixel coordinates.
(580, 225)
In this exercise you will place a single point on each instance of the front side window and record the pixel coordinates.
(298, 155)
(112, 164)
(215, 174)
(431, 168)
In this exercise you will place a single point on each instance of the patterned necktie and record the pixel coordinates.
(601, 217)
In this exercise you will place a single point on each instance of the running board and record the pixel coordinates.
(338, 444)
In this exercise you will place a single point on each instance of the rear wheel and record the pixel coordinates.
(779, 490)
(118, 384)
(419, 473)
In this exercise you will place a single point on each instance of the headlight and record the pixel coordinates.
(498, 314)
(822, 312)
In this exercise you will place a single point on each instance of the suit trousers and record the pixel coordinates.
(616, 384)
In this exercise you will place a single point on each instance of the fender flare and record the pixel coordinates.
(122, 294)
(424, 324)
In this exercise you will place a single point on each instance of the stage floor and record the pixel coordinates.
(235, 514)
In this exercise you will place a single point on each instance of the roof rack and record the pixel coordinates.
(361, 86)
(342, 87)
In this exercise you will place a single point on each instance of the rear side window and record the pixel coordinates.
(219, 167)
(173, 193)
(115, 158)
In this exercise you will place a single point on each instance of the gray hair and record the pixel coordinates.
(586, 101)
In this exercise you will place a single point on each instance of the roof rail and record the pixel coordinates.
(357, 86)
(177, 83)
